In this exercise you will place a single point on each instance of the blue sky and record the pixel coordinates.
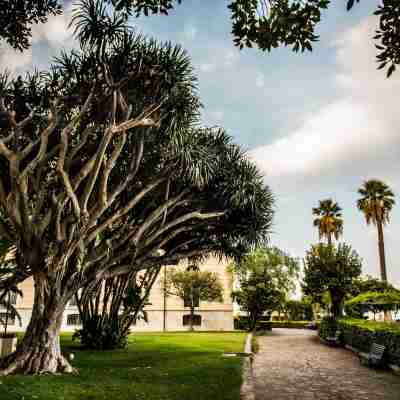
(316, 124)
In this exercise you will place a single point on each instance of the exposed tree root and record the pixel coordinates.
(35, 363)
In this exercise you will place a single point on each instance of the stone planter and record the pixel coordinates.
(8, 344)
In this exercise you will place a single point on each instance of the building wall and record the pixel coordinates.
(214, 315)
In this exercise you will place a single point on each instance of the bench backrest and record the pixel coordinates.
(377, 349)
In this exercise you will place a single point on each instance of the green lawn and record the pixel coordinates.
(158, 366)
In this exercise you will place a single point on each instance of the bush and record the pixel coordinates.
(360, 334)
(242, 324)
(101, 335)
(290, 324)
(264, 326)
(327, 327)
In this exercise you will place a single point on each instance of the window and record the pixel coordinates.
(196, 320)
(10, 320)
(73, 319)
(187, 301)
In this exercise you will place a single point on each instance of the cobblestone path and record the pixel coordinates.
(292, 364)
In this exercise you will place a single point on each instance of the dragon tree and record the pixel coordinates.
(105, 171)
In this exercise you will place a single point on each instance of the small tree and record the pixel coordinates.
(299, 310)
(193, 286)
(374, 302)
(266, 276)
(330, 269)
(257, 295)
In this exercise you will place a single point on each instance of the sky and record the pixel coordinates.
(317, 124)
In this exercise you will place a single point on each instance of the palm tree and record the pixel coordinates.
(328, 219)
(376, 203)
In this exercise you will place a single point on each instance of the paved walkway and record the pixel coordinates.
(292, 364)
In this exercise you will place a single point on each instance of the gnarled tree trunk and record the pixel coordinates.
(39, 351)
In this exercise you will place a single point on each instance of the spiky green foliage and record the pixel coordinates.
(376, 203)
(108, 311)
(328, 220)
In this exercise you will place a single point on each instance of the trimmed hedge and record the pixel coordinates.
(360, 334)
(290, 324)
(242, 324)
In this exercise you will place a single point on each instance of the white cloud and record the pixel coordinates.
(334, 148)
(360, 127)
(55, 31)
(230, 58)
(13, 60)
(207, 67)
(260, 80)
(219, 59)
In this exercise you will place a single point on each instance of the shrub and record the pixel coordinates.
(264, 326)
(242, 324)
(360, 334)
(290, 324)
(327, 327)
(97, 334)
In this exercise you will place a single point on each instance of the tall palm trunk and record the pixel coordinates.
(330, 238)
(39, 351)
(381, 247)
(382, 261)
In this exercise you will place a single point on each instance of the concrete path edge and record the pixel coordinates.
(247, 390)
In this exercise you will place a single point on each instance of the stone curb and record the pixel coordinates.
(247, 390)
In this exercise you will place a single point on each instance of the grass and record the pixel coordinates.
(167, 366)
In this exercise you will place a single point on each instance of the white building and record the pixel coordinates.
(165, 312)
